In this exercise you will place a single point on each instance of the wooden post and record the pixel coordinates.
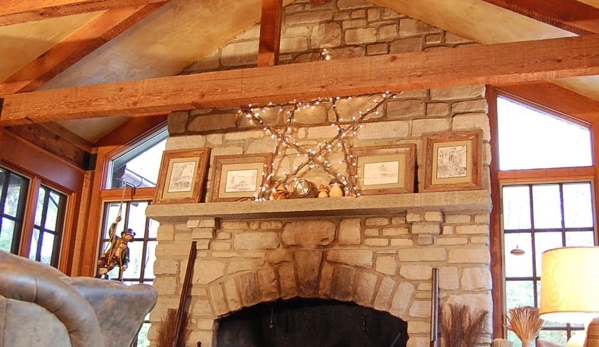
(270, 32)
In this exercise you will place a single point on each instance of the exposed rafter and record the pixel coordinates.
(469, 65)
(75, 47)
(570, 15)
(19, 11)
(270, 32)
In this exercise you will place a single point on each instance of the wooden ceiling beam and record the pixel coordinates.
(570, 15)
(270, 32)
(76, 46)
(468, 65)
(19, 11)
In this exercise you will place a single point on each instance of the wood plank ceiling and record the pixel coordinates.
(162, 43)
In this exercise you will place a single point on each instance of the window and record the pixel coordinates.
(13, 197)
(549, 211)
(47, 228)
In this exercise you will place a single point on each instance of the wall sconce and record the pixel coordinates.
(570, 286)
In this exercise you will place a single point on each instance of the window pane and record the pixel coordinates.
(35, 237)
(543, 242)
(150, 258)
(580, 238)
(111, 213)
(47, 248)
(547, 209)
(519, 293)
(516, 208)
(6, 234)
(137, 217)
(530, 139)
(555, 336)
(153, 229)
(578, 207)
(518, 265)
(13, 194)
(142, 337)
(52, 212)
(135, 260)
(39, 210)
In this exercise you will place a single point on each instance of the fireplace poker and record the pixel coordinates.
(434, 342)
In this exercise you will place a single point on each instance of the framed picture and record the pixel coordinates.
(237, 177)
(453, 161)
(182, 175)
(385, 169)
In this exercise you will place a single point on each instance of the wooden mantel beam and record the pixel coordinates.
(19, 11)
(469, 65)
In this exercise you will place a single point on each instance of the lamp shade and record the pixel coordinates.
(570, 284)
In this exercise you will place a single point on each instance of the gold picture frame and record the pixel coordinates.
(385, 169)
(237, 178)
(453, 161)
(182, 175)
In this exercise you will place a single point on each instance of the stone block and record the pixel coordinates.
(202, 233)
(256, 240)
(406, 45)
(201, 308)
(296, 31)
(311, 115)
(166, 267)
(325, 35)
(371, 232)
(352, 4)
(347, 52)
(286, 274)
(426, 228)
(437, 109)
(377, 49)
(412, 217)
(386, 265)
(475, 255)
(433, 216)
(268, 285)
(423, 126)
(431, 39)
(389, 14)
(294, 8)
(449, 278)
(411, 27)
(373, 14)
(416, 327)
(447, 230)
(177, 122)
(326, 280)
(308, 17)
(206, 271)
(480, 301)
(349, 232)
(402, 242)
(236, 266)
(476, 279)
(422, 254)
(279, 256)
(309, 233)
(407, 108)
(326, 132)
(293, 44)
(376, 242)
(163, 249)
(273, 224)
(220, 245)
(425, 240)
(205, 323)
(359, 258)
(233, 299)
(416, 272)
(383, 295)
(217, 299)
(166, 232)
(478, 105)
(469, 121)
(365, 289)
(308, 269)
(240, 53)
(457, 218)
(454, 39)
(395, 231)
(384, 130)
(420, 309)
(398, 220)
(479, 240)
(212, 122)
(358, 14)
(340, 16)
(343, 283)
(387, 32)
(360, 36)
(401, 299)
(165, 285)
(250, 295)
(377, 221)
(223, 235)
(449, 241)
(472, 229)
(244, 135)
(185, 142)
(457, 93)
(214, 139)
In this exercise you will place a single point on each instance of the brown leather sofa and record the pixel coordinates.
(41, 307)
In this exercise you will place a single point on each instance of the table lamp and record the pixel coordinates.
(570, 286)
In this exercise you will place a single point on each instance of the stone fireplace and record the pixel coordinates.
(376, 252)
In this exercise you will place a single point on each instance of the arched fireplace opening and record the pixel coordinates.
(311, 323)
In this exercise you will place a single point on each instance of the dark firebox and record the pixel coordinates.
(311, 323)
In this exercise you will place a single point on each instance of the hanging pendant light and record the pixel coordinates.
(517, 251)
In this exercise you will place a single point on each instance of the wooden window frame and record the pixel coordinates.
(498, 178)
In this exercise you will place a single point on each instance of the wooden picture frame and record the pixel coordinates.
(236, 177)
(453, 161)
(182, 175)
(385, 169)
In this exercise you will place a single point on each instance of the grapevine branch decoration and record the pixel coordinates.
(314, 157)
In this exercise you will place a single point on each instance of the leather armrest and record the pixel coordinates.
(26, 280)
